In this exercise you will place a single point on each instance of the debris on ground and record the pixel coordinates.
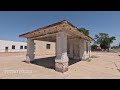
(117, 67)
(94, 56)
(88, 60)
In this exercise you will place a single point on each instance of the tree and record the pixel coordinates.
(93, 47)
(104, 40)
(85, 31)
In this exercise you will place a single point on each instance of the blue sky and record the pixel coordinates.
(14, 23)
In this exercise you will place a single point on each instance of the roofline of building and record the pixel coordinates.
(12, 40)
(43, 28)
(54, 25)
(80, 31)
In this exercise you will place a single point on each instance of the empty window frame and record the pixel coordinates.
(47, 46)
(25, 47)
(13, 46)
(21, 47)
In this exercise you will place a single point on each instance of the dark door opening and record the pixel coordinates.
(6, 49)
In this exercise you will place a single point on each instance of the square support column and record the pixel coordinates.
(61, 60)
(30, 50)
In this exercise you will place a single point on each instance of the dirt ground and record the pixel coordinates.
(104, 66)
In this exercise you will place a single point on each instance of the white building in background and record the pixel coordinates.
(12, 46)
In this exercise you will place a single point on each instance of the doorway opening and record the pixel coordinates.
(6, 49)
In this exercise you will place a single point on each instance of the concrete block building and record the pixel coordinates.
(69, 43)
(12, 46)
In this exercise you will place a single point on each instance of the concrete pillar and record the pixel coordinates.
(89, 50)
(61, 60)
(30, 50)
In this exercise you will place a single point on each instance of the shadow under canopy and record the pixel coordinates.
(49, 62)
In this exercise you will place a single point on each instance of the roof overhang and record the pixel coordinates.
(48, 33)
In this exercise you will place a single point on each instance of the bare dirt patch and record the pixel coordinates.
(106, 66)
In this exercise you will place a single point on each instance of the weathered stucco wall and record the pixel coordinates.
(40, 48)
(77, 48)
(86, 54)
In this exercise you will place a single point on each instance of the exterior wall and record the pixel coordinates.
(85, 53)
(70, 48)
(74, 48)
(77, 49)
(81, 48)
(5, 43)
(40, 48)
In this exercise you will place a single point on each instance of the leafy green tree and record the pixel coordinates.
(85, 31)
(93, 47)
(104, 40)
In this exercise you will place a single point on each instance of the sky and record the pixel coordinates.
(14, 23)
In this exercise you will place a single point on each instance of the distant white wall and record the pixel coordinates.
(5, 43)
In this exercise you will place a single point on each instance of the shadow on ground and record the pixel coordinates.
(49, 62)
